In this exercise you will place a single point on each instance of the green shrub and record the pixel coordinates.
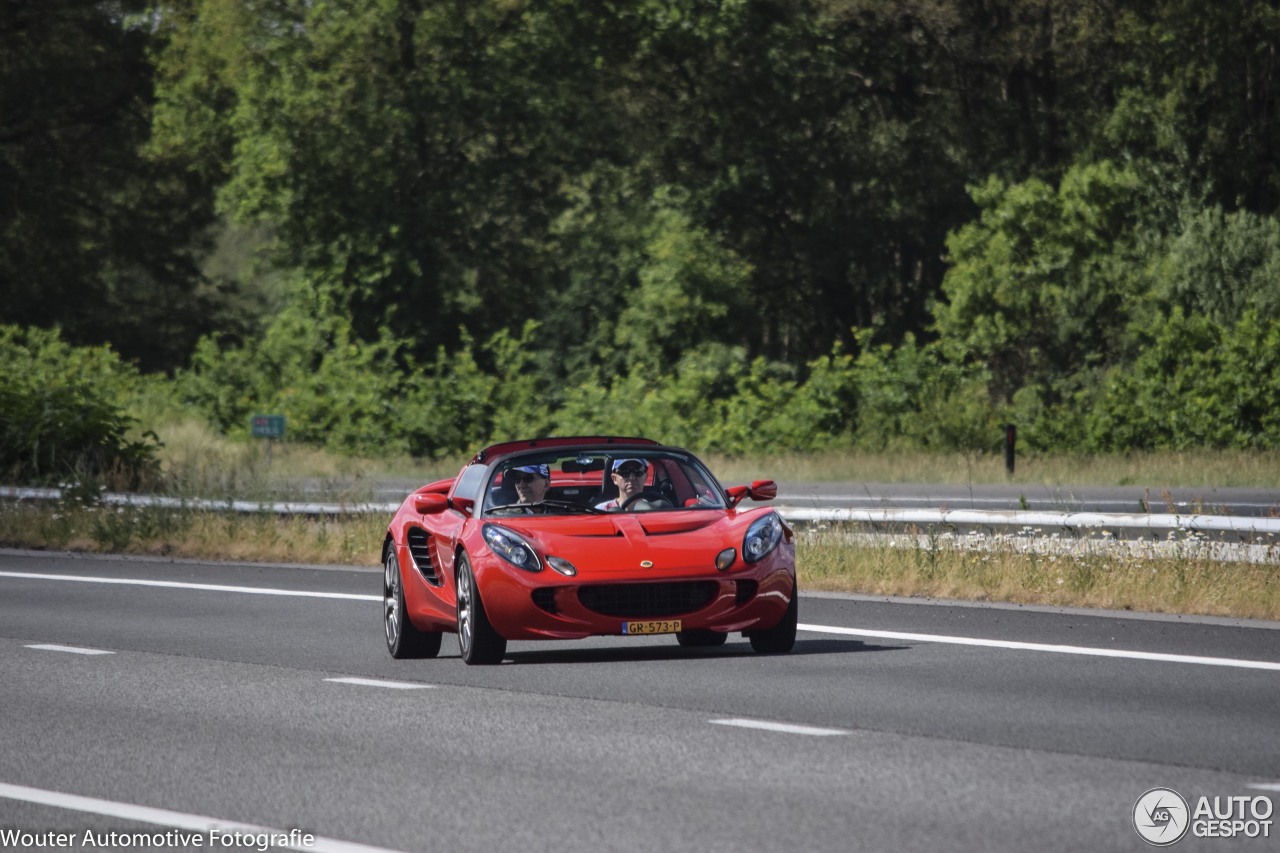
(1195, 384)
(62, 413)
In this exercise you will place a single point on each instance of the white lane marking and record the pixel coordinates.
(253, 590)
(75, 650)
(289, 840)
(1268, 786)
(786, 728)
(1044, 647)
(378, 682)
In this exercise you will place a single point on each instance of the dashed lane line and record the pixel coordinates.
(784, 728)
(381, 682)
(75, 650)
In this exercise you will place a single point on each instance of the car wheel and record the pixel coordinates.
(477, 641)
(781, 637)
(403, 639)
(701, 639)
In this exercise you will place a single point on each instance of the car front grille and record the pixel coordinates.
(648, 600)
(545, 597)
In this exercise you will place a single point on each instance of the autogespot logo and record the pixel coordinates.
(1161, 817)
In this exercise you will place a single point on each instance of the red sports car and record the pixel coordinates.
(564, 538)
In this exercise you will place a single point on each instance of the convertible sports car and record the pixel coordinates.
(564, 538)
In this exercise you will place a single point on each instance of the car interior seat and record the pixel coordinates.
(608, 489)
(502, 494)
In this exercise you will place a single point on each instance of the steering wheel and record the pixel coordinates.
(654, 499)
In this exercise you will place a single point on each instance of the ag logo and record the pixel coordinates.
(1161, 817)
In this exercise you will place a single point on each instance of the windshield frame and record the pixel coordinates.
(676, 481)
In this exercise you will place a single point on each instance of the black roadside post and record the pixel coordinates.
(1010, 438)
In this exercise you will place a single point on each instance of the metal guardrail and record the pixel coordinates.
(1091, 522)
(227, 505)
(1086, 522)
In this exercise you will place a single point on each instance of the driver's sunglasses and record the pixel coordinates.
(520, 478)
(632, 470)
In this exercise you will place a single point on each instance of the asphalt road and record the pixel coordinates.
(937, 727)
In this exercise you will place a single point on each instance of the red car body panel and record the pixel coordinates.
(617, 550)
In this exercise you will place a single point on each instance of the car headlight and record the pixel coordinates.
(512, 547)
(762, 537)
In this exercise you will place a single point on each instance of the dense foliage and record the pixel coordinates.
(64, 418)
(414, 225)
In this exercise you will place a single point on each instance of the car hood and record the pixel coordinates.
(671, 543)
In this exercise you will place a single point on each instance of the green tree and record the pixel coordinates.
(1044, 284)
(1195, 383)
(1198, 89)
(1222, 265)
(689, 291)
(409, 154)
(94, 237)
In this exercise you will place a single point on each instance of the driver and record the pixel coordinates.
(629, 476)
(531, 482)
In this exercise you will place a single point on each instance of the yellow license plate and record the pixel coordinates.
(667, 626)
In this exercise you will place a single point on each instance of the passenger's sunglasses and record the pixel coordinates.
(632, 470)
(520, 477)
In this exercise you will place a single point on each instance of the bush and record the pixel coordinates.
(1196, 384)
(915, 395)
(62, 415)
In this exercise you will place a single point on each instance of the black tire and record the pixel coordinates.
(404, 641)
(781, 638)
(478, 643)
(701, 639)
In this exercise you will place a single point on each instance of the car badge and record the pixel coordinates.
(646, 564)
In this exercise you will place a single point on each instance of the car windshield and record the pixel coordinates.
(595, 481)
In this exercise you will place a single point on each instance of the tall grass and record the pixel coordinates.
(1156, 469)
(1179, 577)
(353, 540)
(197, 463)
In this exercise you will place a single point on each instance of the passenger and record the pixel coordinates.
(629, 476)
(531, 482)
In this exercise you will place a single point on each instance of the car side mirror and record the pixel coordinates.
(430, 504)
(759, 490)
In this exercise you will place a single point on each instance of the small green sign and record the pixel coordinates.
(268, 426)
